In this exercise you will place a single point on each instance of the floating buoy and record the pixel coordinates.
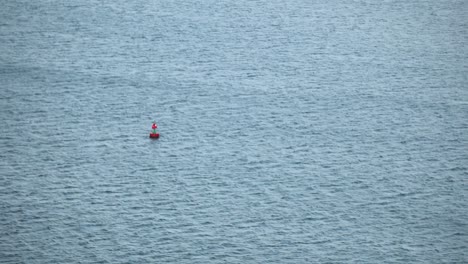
(154, 133)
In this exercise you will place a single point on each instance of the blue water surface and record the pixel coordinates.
(291, 131)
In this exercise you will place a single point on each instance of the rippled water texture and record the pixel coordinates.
(291, 131)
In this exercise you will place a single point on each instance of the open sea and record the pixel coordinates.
(293, 131)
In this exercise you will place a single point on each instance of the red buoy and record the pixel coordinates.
(154, 133)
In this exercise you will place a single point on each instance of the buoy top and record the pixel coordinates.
(154, 126)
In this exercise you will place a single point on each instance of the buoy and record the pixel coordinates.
(154, 133)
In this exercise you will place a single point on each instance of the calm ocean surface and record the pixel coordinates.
(291, 131)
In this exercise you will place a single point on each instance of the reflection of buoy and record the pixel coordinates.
(154, 133)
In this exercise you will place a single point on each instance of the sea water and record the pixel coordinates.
(291, 131)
